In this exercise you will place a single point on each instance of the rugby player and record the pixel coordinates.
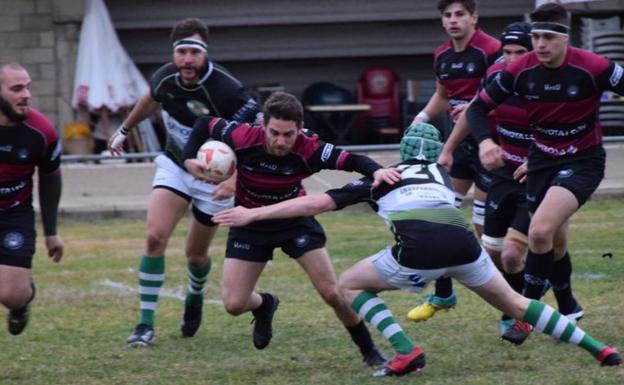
(432, 239)
(459, 65)
(186, 88)
(27, 141)
(560, 87)
(273, 158)
(506, 214)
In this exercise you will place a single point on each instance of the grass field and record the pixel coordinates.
(86, 307)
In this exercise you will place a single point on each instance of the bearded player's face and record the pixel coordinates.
(190, 62)
(14, 94)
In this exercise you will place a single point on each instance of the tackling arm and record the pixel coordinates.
(303, 206)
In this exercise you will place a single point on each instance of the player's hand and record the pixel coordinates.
(55, 247)
(116, 141)
(225, 189)
(196, 168)
(520, 174)
(490, 155)
(445, 159)
(457, 110)
(386, 175)
(236, 216)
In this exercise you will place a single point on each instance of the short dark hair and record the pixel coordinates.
(550, 12)
(283, 106)
(11, 65)
(470, 5)
(189, 27)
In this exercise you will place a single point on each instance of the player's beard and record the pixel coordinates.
(8, 111)
(199, 71)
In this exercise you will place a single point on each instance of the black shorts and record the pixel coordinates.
(580, 177)
(17, 236)
(257, 241)
(466, 165)
(506, 207)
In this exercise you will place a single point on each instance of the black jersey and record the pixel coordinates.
(217, 93)
(24, 146)
(562, 103)
(511, 124)
(461, 72)
(420, 211)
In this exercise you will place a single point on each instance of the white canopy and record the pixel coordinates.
(105, 74)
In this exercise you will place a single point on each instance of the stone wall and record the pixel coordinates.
(42, 35)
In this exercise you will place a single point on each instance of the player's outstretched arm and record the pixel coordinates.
(144, 108)
(298, 207)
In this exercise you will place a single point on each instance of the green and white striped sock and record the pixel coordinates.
(151, 278)
(197, 278)
(549, 321)
(374, 311)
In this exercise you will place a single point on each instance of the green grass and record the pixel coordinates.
(79, 325)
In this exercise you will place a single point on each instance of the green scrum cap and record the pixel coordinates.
(421, 141)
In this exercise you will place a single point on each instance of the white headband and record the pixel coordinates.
(190, 43)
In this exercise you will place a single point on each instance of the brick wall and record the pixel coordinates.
(42, 35)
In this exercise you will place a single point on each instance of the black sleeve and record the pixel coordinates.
(247, 113)
(199, 135)
(351, 193)
(497, 90)
(612, 79)
(50, 186)
(477, 115)
(362, 164)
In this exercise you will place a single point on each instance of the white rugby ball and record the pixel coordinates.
(219, 159)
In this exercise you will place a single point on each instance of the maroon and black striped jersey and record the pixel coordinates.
(265, 179)
(511, 122)
(24, 146)
(462, 72)
(562, 104)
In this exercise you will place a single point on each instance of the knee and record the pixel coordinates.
(332, 296)
(235, 306)
(16, 298)
(156, 242)
(197, 259)
(540, 235)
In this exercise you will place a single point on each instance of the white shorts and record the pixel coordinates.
(471, 274)
(172, 177)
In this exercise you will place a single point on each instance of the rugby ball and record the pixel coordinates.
(219, 159)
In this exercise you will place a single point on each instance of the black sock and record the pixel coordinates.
(515, 280)
(266, 305)
(562, 286)
(361, 336)
(537, 271)
(443, 287)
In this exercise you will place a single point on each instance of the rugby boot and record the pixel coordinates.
(191, 319)
(142, 336)
(374, 357)
(609, 356)
(17, 319)
(576, 314)
(402, 364)
(263, 320)
(518, 332)
(432, 305)
(504, 325)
